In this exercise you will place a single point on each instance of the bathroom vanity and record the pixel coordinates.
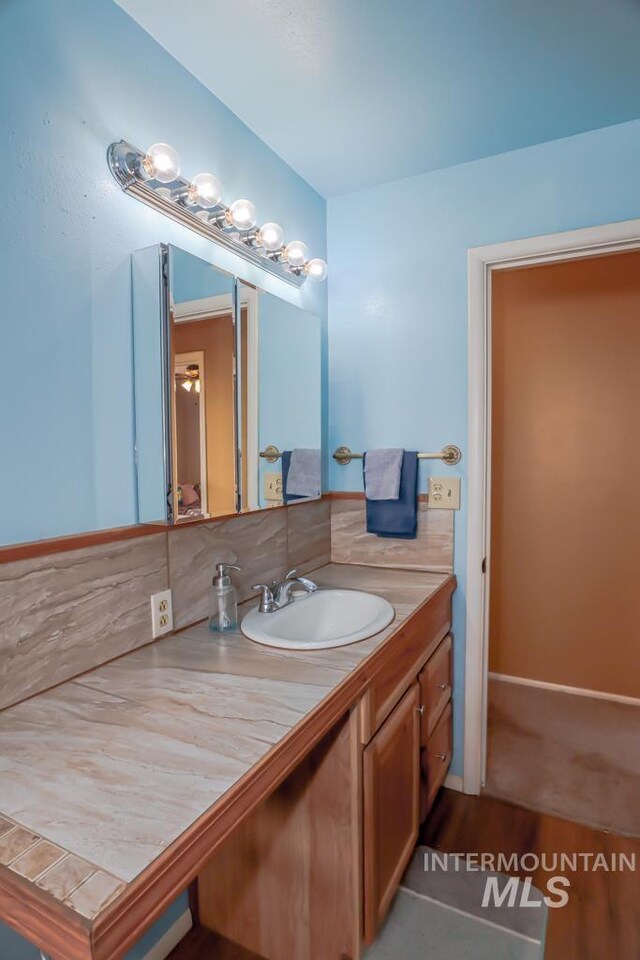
(290, 784)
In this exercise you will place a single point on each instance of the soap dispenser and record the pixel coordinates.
(224, 600)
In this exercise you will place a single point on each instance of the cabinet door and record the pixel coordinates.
(391, 806)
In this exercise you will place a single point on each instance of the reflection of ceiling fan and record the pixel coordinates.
(189, 378)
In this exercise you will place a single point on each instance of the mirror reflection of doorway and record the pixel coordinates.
(190, 439)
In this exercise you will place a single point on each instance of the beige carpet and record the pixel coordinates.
(572, 756)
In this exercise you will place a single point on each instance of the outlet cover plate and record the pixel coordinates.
(161, 613)
(444, 493)
(273, 487)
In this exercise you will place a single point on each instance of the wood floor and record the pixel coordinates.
(201, 944)
(602, 918)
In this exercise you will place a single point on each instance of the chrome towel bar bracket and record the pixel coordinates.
(270, 453)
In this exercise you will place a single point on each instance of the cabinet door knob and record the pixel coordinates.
(442, 686)
(420, 710)
(441, 756)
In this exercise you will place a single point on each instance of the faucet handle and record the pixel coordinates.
(267, 601)
(291, 575)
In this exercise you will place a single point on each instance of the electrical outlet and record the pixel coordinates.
(273, 486)
(444, 493)
(161, 613)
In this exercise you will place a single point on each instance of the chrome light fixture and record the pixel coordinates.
(154, 178)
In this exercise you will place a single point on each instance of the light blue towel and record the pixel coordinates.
(304, 476)
(382, 472)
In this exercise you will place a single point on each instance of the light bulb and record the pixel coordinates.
(161, 163)
(205, 190)
(296, 253)
(242, 214)
(316, 269)
(187, 385)
(270, 236)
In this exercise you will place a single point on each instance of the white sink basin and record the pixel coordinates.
(328, 618)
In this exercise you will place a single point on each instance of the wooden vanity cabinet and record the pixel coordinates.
(312, 872)
(391, 782)
(406, 729)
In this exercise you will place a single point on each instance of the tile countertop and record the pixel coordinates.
(99, 775)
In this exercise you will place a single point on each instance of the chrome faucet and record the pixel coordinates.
(274, 596)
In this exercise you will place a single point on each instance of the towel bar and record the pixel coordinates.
(449, 455)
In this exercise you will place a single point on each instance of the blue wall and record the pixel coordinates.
(289, 381)
(14, 947)
(76, 76)
(398, 295)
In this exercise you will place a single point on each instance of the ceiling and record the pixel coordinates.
(352, 93)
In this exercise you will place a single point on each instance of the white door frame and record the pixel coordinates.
(482, 261)
(183, 360)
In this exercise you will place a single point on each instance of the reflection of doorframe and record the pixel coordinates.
(249, 299)
(180, 363)
(202, 309)
(571, 245)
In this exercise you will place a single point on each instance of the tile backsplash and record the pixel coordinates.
(431, 550)
(257, 542)
(265, 544)
(66, 613)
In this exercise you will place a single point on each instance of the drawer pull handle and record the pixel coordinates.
(420, 710)
(441, 756)
(442, 686)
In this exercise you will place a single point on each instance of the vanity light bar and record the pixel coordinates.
(154, 178)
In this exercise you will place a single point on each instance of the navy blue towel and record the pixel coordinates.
(286, 463)
(397, 518)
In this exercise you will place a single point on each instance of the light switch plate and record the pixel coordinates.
(444, 493)
(273, 486)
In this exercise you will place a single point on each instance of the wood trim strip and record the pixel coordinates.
(94, 538)
(77, 541)
(126, 919)
(53, 927)
(199, 521)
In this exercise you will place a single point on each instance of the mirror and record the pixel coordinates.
(203, 416)
(284, 400)
(224, 373)
(185, 346)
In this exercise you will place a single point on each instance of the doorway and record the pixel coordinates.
(484, 265)
(564, 620)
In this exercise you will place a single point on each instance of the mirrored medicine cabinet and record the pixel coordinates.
(227, 381)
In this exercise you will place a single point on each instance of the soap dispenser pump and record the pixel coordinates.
(224, 600)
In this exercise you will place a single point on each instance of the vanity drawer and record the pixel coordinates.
(435, 759)
(435, 687)
(408, 651)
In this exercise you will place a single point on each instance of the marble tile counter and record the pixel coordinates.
(100, 775)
